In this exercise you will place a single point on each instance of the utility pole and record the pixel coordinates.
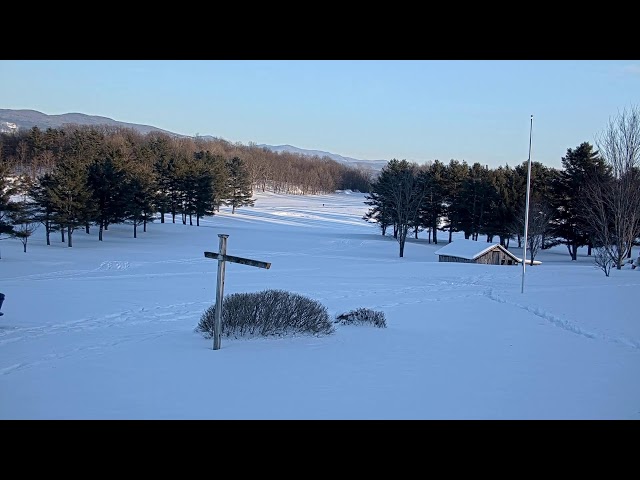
(526, 209)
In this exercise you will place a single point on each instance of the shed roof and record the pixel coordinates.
(471, 249)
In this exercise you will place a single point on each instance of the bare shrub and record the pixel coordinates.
(604, 259)
(267, 313)
(361, 316)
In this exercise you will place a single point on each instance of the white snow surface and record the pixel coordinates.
(105, 330)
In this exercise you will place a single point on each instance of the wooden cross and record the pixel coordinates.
(222, 257)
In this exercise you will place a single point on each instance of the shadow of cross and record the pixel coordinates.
(222, 257)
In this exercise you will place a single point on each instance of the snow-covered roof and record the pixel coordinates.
(471, 249)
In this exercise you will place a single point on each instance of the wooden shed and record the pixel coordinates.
(470, 251)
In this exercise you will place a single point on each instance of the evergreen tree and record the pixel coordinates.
(187, 185)
(454, 177)
(208, 183)
(504, 203)
(40, 192)
(380, 210)
(164, 168)
(172, 181)
(570, 225)
(70, 195)
(106, 178)
(204, 197)
(221, 190)
(140, 189)
(400, 193)
(240, 191)
(433, 207)
(473, 200)
(423, 182)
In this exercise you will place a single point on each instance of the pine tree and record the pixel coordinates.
(240, 192)
(433, 207)
(106, 178)
(570, 225)
(164, 169)
(71, 197)
(474, 199)
(455, 174)
(140, 190)
(503, 197)
(40, 192)
(204, 187)
(399, 192)
(380, 211)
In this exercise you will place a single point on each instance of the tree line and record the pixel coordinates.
(35, 151)
(83, 176)
(593, 201)
(79, 176)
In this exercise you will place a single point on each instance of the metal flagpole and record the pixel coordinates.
(526, 209)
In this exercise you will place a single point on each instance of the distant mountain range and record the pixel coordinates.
(374, 164)
(26, 119)
(13, 120)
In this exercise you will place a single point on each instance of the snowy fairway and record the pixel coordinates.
(105, 330)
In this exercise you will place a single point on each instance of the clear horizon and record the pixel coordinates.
(418, 110)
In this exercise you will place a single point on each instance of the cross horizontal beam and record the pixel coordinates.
(243, 261)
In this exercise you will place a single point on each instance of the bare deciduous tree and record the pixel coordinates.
(612, 205)
(7, 207)
(24, 216)
(540, 216)
(603, 259)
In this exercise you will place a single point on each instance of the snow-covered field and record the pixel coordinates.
(105, 330)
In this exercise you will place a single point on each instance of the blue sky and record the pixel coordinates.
(419, 110)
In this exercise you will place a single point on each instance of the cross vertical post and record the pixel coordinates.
(217, 329)
(222, 257)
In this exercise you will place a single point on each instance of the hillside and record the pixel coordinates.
(13, 120)
(375, 164)
(26, 119)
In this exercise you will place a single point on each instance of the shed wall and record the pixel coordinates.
(492, 257)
